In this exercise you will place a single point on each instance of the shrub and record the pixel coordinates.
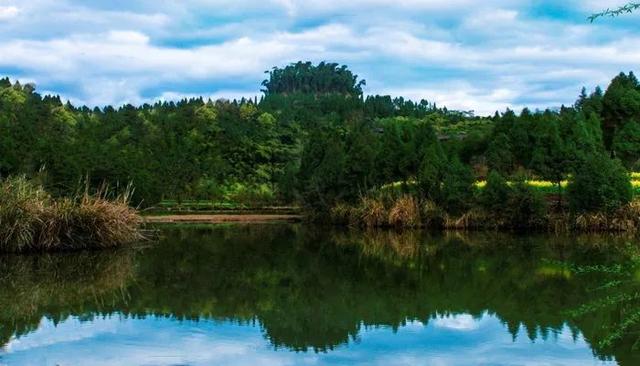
(372, 212)
(515, 206)
(31, 220)
(457, 187)
(405, 212)
(600, 184)
(494, 194)
(525, 207)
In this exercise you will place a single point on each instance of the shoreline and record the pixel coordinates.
(221, 218)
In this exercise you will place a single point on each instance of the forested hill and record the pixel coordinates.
(312, 136)
(193, 148)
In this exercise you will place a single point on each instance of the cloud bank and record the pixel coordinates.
(464, 54)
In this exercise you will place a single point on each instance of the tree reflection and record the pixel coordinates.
(315, 289)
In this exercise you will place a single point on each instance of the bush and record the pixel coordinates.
(405, 212)
(372, 212)
(515, 206)
(495, 193)
(457, 187)
(31, 220)
(525, 207)
(600, 184)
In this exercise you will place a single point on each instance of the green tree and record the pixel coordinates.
(621, 103)
(493, 196)
(499, 154)
(525, 207)
(600, 184)
(550, 158)
(457, 186)
(431, 172)
(626, 144)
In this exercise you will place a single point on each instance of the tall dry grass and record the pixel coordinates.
(372, 212)
(405, 212)
(31, 220)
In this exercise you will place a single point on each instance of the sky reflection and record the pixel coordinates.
(454, 340)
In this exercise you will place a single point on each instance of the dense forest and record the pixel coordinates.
(314, 139)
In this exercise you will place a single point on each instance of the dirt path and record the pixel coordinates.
(218, 219)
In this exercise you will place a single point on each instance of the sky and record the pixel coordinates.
(464, 54)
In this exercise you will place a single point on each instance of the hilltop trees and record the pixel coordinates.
(306, 78)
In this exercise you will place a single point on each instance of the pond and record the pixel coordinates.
(290, 294)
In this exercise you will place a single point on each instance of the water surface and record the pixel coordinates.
(296, 295)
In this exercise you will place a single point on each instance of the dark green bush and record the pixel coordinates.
(494, 194)
(457, 187)
(525, 207)
(600, 184)
(515, 206)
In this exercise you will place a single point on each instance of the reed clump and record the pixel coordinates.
(405, 212)
(520, 210)
(32, 220)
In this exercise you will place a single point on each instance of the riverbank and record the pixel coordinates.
(221, 218)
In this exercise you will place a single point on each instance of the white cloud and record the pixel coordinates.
(461, 53)
(8, 12)
(463, 322)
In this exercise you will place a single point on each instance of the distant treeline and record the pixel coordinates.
(313, 138)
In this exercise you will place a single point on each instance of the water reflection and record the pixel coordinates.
(243, 291)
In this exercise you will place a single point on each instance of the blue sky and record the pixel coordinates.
(465, 54)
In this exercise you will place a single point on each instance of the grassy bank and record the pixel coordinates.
(407, 211)
(32, 220)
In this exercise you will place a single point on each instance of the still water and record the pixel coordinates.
(299, 295)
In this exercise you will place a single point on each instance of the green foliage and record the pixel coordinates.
(525, 207)
(514, 205)
(457, 187)
(311, 140)
(621, 103)
(626, 144)
(306, 78)
(494, 194)
(431, 172)
(499, 155)
(550, 159)
(599, 184)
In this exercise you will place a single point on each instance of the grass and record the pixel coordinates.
(32, 220)
(405, 211)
